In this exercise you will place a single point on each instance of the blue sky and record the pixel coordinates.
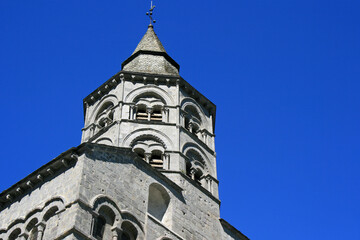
(283, 74)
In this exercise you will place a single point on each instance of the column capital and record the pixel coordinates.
(147, 157)
(40, 227)
(23, 236)
(116, 232)
(149, 109)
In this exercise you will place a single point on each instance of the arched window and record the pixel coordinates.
(149, 107)
(195, 165)
(158, 202)
(32, 229)
(15, 234)
(105, 115)
(140, 152)
(99, 227)
(50, 213)
(103, 223)
(150, 150)
(192, 119)
(129, 231)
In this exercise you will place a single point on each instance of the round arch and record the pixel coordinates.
(109, 98)
(149, 89)
(105, 141)
(150, 133)
(193, 147)
(191, 102)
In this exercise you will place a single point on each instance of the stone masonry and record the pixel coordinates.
(145, 168)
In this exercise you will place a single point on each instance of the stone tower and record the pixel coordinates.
(145, 168)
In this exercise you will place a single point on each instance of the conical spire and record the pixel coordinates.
(150, 42)
(150, 57)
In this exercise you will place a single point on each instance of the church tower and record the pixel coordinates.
(149, 109)
(145, 168)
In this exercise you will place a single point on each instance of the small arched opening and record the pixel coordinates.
(50, 213)
(105, 115)
(158, 203)
(32, 229)
(103, 223)
(15, 234)
(129, 231)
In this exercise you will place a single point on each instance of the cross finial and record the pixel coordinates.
(150, 13)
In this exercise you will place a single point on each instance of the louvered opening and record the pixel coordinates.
(141, 113)
(156, 115)
(156, 160)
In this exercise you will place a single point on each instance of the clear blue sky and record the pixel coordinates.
(284, 75)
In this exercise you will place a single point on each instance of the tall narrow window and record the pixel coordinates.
(32, 229)
(198, 176)
(99, 227)
(188, 169)
(103, 223)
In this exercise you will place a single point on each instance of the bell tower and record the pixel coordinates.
(150, 109)
(145, 168)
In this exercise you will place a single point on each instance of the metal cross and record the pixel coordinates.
(150, 13)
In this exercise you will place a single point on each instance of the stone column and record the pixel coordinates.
(191, 127)
(166, 160)
(118, 111)
(165, 114)
(149, 111)
(131, 111)
(40, 227)
(182, 119)
(92, 130)
(192, 173)
(24, 236)
(116, 233)
(209, 183)
(147, 157)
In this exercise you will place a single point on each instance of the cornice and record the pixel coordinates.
(59, 164)
(65, 161)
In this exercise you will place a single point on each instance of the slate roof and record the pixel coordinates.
(150, 57)
(150, 42)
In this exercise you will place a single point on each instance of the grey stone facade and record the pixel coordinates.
(146, 167)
